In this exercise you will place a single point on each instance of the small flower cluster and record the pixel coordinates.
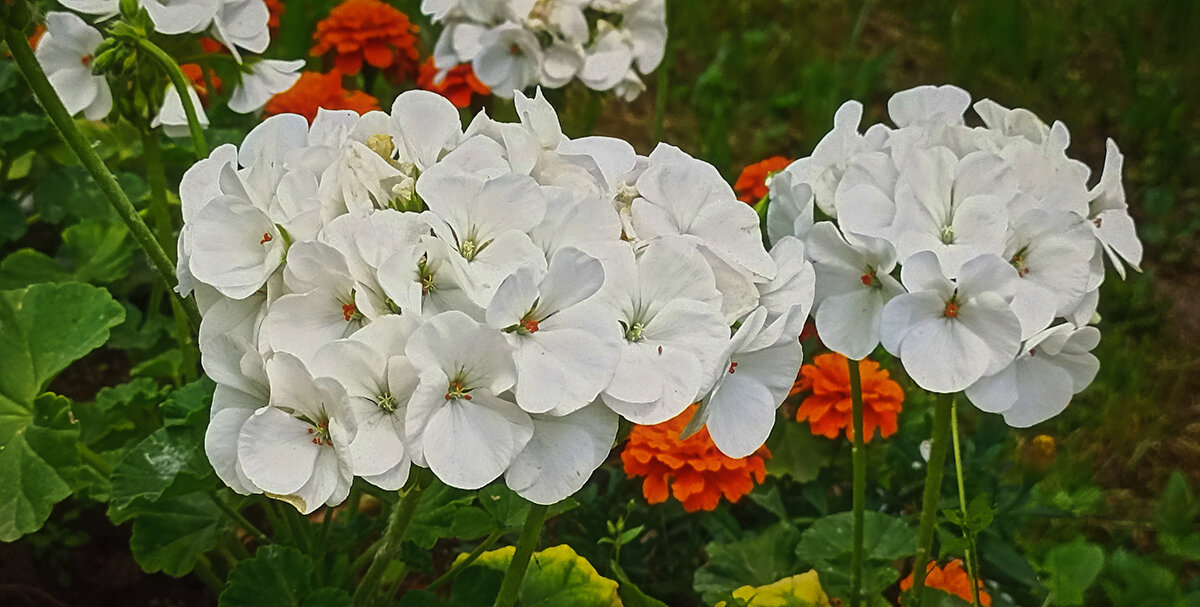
(74, 55)
(390, 289)
(515, 44)
(1001, 239)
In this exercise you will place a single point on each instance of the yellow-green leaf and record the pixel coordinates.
(802, 590)
(556, 576)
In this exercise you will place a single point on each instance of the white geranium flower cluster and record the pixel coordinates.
(390, 290)
(68, 48)
(515, 44)
(1001, 239)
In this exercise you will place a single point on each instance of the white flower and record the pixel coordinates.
(929, 105)
(1110, 214)
(294, 448)
(823, 170)
(65, 52)
(1052, 252)
(668, 306)
(853, 283)
(235, 246)
(645, 21)
(949, 334)
(369, 242)
(321, 306)
(794, 284)
(242, 24)
(509, 59)
(172, 117)
(487, 223)
(230, 410)
(173, 17)
(755, 375)
(956, 208)
(267, 78)
(566, 349)
(608, 60)
(562, 454)
(1052, 366)
(379, 387)
(789, 208)
(103, 9)
(456, 423)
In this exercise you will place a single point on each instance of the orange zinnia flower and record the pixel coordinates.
(315, 90)
(366, 29)
(751, 185)
(698, 474)
(458, 85)
(828, 408)
(953, 579)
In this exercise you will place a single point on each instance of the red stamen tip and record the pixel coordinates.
(265, 239)
(348, 311)
(951, 310)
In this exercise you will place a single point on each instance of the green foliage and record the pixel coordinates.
(826, 547)
(169, 535)
(1072, 568)
(42, 329)
(279, 576)
(756, 560)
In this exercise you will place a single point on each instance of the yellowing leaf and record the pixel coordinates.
(802, 590)
(556, 576)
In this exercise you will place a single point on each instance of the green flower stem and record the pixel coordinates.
(968, 534)
(179, 81)
(933, 490)
(240, 520)
(204, 571)
(164, 227)
(530, 534)
(458, 566)
(389, 544)
(36, 77)
(860, 485)
(94, 460)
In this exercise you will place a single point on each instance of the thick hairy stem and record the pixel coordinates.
(968, 534)
(36, 77)
(860, 485)
(389, 545)
(530, 534)
(933, 490)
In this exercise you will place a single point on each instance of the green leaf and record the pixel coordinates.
(797, 452)
(169, 535)
(70, 192)
(756, 560)
(101, 252)
(188, 406)
(436, 513)
(27, 267)
(13, 127)
(826, 546)
(1175, 519)
(556, 576)
(1073, 568)
(630, 594)
(278, 576)
(42, 330)
(170, 458)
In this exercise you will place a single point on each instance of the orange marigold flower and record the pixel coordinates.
(751, 185)
(458, 85)
(316, 90)
(195, 74)
(370, 30)
(828, 407)
(36, 36)
(952, 579)
(695, 471)
(275, 13)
